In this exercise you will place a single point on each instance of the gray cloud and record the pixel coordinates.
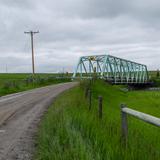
(69, 29)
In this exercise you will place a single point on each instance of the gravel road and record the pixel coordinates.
(19, 117)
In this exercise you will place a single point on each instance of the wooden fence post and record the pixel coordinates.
(86, 92)
(90, 84)
(100, 99)
(124, 125)
(90, 99)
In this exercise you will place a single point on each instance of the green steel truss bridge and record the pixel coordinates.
(112, 69)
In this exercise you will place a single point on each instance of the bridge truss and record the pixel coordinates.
(110, 68)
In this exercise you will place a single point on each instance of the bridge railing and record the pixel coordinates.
(142, 116)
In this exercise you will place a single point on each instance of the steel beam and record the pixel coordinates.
(111, 68)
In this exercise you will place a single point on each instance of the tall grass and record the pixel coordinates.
(11, 83)
(69, 131)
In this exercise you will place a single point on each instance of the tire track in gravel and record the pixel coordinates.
(19, 116)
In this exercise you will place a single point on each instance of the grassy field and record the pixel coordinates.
(69, 131)
(16, 82)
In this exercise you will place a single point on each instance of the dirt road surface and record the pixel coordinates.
(19, 117)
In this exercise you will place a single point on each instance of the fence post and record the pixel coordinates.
(100, 106)
(86, 92)
(124, 125)
(90, 99)
(89, 83)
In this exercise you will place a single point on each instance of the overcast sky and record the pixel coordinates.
(72, 28)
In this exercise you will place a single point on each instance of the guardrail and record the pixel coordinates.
(142, 116)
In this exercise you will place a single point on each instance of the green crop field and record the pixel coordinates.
(16, 82)
(69, 131)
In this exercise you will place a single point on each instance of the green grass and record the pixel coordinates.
(69, 131)
(16, 82)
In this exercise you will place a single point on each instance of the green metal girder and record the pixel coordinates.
(111, 68)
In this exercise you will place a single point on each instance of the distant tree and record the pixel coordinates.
(67, 74)
(158, 73)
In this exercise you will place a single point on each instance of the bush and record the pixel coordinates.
(7, 85)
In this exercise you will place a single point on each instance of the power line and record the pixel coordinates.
(32, 48)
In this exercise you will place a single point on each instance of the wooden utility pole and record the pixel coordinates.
(32, 48)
